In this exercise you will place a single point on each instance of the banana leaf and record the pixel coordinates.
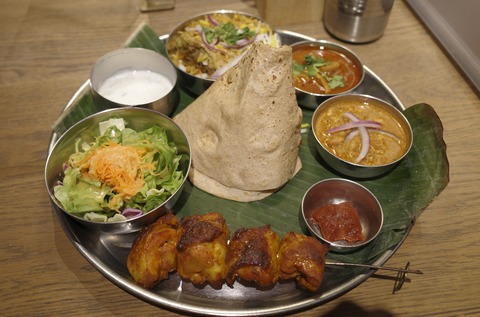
(404, 193)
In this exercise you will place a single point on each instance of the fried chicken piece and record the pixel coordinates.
(252, 256)
(302, 258)
(202, 248)
(153, 254)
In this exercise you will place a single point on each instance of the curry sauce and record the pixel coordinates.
(322, 70)
(386, 144)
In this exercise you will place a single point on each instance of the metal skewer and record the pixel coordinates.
(375, 267)
(401, 275)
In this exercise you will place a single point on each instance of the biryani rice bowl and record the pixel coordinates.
(206, 46)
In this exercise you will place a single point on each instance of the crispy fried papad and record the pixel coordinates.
(244, 131)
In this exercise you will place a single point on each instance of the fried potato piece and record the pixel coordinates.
(302, 258)
(252, 256)
(202, 248)
(153, 254)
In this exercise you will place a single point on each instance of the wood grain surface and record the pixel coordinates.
(47, 48)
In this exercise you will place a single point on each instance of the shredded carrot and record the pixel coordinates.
(118, 166)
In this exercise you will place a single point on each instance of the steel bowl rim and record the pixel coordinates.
(339, 246)
(199, 16)
(140, 50)
(333, 46)
(65, 135)
(364, 96)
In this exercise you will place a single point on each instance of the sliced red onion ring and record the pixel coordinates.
(351, 116)
(351, 135)
(212, 20)
(210, 46)
(363, 134)
(393, 136)
(240, 43)
(131, 213)
(361, 126)
(355, 124)
(365, 144)
(221, 70)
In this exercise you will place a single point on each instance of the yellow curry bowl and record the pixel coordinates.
(361, 136)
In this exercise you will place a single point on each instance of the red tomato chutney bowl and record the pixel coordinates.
(323, 69)
(342, 213)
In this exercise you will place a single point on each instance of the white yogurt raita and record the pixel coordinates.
(135, 87)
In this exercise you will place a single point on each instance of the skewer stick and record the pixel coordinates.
(375, 267)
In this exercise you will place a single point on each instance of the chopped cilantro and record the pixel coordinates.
(226, 32)
(336, 81)
(297, 68)
(312, 68)
(312, 64)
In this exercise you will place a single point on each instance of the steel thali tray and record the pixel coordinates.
(108, 253)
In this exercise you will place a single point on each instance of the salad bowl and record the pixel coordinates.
(82, 205)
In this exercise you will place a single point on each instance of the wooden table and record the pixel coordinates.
(47, 50)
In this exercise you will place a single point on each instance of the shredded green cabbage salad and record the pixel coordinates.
(122, 174)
